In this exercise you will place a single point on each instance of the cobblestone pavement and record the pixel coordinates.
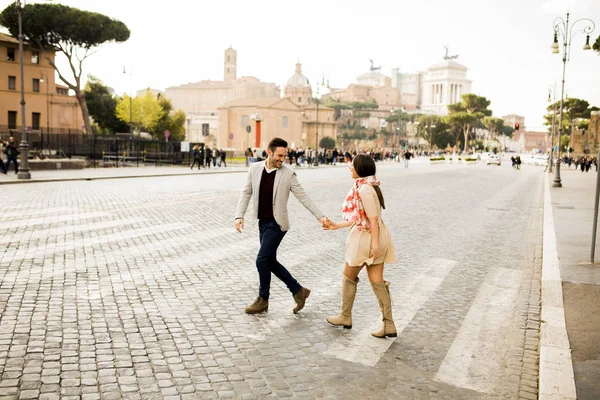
(135, 289)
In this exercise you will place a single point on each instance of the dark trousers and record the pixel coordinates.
(271, 236)
(12, 159)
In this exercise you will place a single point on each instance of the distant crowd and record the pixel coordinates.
(303, 157)
(584, 163)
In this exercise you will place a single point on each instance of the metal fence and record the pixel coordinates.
(119, 150)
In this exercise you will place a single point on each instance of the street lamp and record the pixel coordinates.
(130, 104)
(553, 101)
(24, 146)
(44, 78)
(317, 100)
(566, 32)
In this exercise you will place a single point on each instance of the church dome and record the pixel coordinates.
(298, 80)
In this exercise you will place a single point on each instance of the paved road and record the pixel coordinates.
(135, 288)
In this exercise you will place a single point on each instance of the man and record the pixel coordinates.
(12, 151)
(407, 156)
(269, 185)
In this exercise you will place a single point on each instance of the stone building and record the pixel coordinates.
(513, 119)
(201, 100)
(49, 107)
(431, 92)
(295, 118)
(371, 87)
(587, 141)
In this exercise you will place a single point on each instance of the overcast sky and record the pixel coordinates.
(504, 43)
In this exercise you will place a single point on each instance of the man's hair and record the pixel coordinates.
(277, 142)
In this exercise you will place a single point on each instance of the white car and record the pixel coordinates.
(540, 159)
(493, 159)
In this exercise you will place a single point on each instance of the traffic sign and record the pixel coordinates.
(248, 128)
(167, 133)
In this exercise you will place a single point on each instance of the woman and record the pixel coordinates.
(368, 244)
(196, 155)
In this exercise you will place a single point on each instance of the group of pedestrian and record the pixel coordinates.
(11, 150)
(368, 244)
(204, 156)
(584, 163)
(516, 162)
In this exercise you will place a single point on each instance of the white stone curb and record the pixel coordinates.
(557, 380)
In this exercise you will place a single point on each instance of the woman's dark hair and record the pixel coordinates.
(277, 142)
(365, 166)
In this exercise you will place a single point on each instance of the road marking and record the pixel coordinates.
(407, 299)
(477, 355)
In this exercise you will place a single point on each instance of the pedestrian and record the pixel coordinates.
(201, 155)
(223, 155)
(334, 155)
(407, 156)
(368, 244)
(248, 156)
(215, 156)
(208, 156)
(2, 166)
(12, 151)
(269, 185)
(196, 155)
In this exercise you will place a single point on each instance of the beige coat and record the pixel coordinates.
(286, 181)
(358, 243)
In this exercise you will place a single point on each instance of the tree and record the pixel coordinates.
(101, 106)
(66, 30)
(327, 143)
(466, 114)
(493, 125)
(428, 128)
(596, 45)
(172, 121)
(575, 112)
(508, 130)
(337, 106)
(144, 111)
(565, 140)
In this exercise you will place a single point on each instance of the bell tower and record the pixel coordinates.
(230, 65)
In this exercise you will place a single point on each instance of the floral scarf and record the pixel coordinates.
(352, 208)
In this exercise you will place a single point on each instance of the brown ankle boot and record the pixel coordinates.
(259, 305)
(300, 299)
(348, 294)
(382, 291)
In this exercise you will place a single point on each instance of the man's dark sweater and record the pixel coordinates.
(265, 196)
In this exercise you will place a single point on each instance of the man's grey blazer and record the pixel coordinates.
(285, 182)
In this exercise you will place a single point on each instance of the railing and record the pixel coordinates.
(115, 151)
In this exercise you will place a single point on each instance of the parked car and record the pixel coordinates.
(493, 159)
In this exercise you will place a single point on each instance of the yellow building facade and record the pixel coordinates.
(48, 106)
(279, 117)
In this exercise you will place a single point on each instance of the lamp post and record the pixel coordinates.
(553, 100)
(24, 146)
(318, 100)
(566, 32)
(45, 78)
(130, 105)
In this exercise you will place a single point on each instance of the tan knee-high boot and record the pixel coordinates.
(348, 294)
(382, 291)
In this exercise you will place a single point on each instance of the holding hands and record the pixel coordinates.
(328, 224)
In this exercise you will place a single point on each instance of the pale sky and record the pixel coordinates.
(505, 44)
